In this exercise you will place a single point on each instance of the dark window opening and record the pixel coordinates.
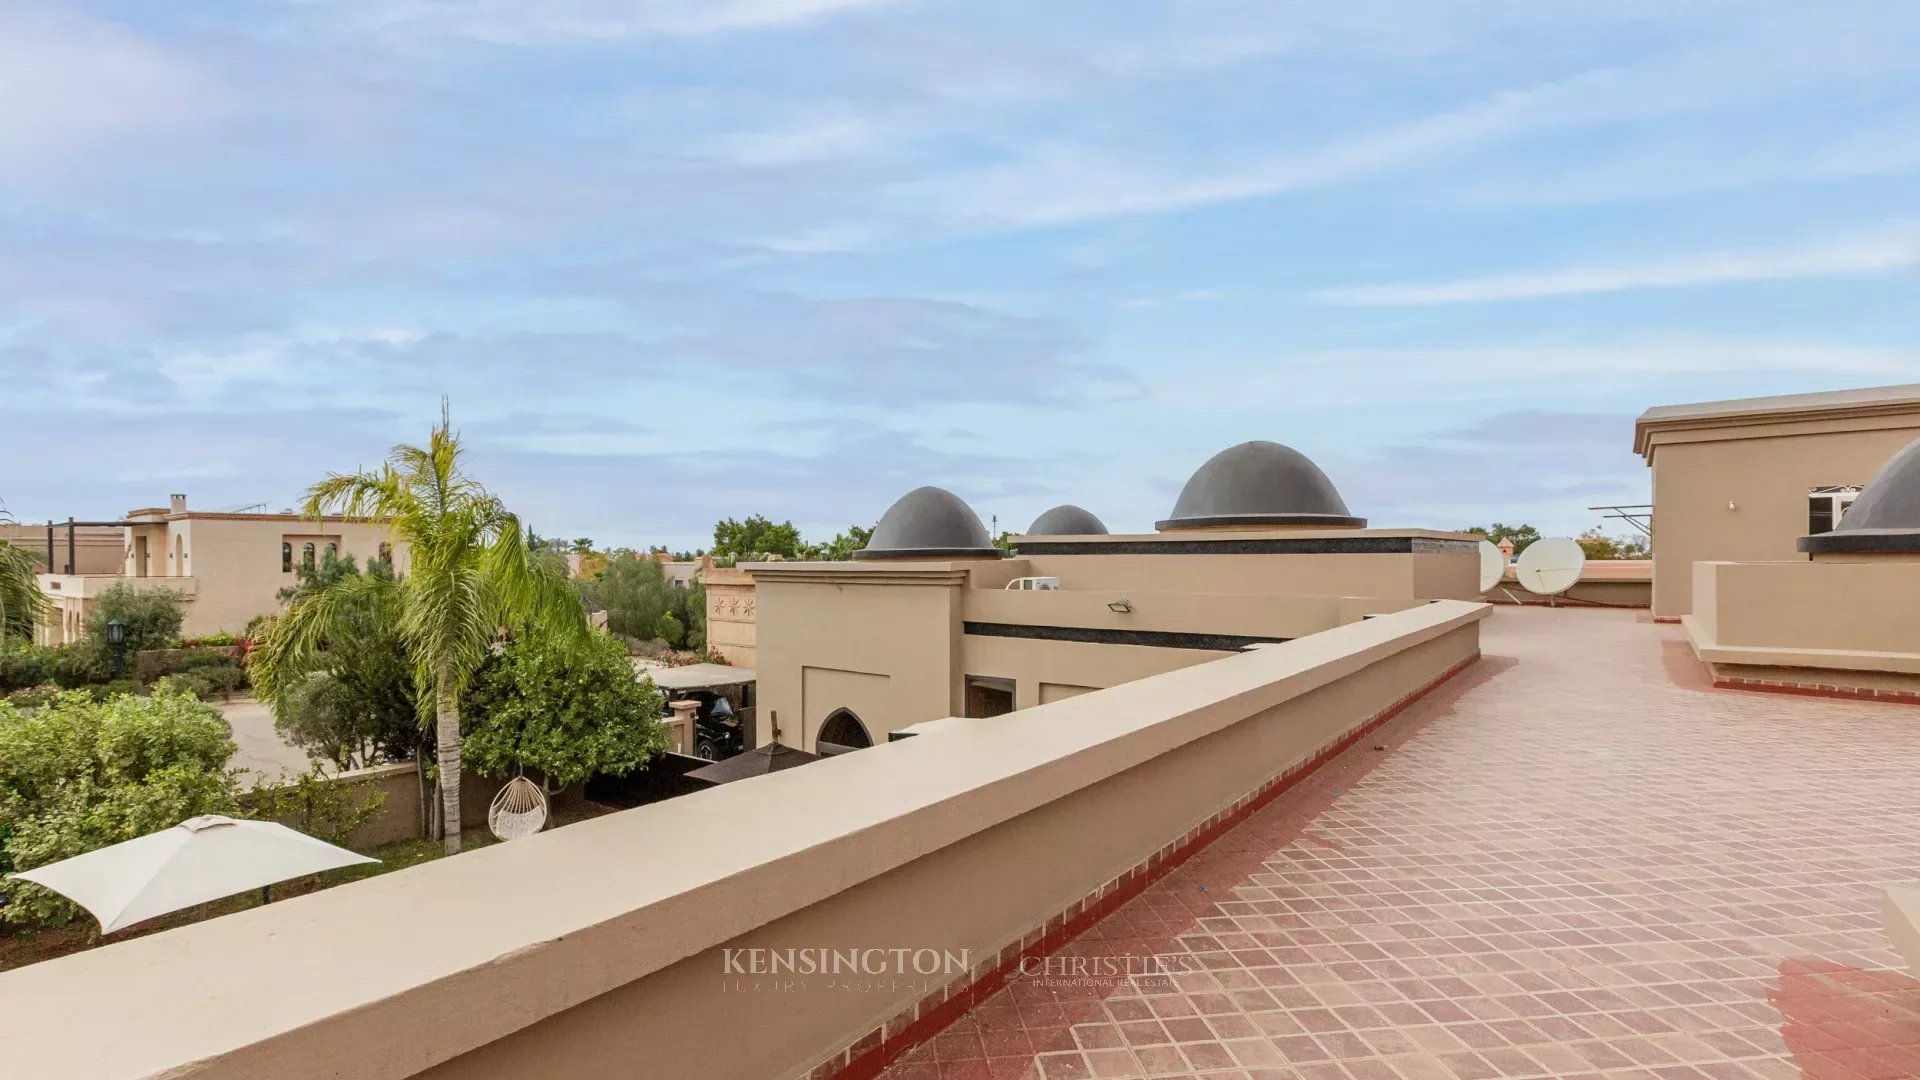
(842, 733)
(286, 557)
(988, 697)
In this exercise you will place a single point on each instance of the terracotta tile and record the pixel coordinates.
(1465, 911)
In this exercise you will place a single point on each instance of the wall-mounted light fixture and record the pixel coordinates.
(1120, 607)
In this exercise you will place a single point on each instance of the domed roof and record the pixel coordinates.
(928, 521)
(1255, 484)
(1886, 516)
(1066, 520)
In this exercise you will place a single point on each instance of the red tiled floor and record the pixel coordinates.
(1576, 860)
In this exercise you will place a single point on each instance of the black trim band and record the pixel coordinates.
(1862, 541)
(1352, 545)
(1159, 639)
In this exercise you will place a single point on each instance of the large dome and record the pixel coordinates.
(1257, 484)
(928, 521)
(1886, 516)
(1066, 520)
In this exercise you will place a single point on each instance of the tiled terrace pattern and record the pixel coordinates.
(1578, 859)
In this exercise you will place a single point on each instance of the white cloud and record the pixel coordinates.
(1533, 372)
(521, 22)
(1888, 250)
(1070, 184)
(1184, 296)
(72, 85)
(819, 140)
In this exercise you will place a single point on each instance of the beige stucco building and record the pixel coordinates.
(732, 630)
(1744, 480)
(932, 620)
(226, 568)
(1844, 616)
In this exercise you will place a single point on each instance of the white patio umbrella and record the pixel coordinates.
(200, 859)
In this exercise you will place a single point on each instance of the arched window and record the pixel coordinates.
(843, 733)
(286, 556)
(306, 556)
(386, 553)
(333, 552)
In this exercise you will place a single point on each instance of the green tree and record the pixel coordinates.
(565, 709)
(756, 536)
(634, 592)
(22, 605)
(695, 616)
(151, 617)
(1598, 545)
(78, 774)
(843, 545)
(472, 575)
(1521, 535)
(354, 699)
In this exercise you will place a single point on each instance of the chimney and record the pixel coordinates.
(1506, 547)
(177, 503)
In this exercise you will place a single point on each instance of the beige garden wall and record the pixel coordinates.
(597, 950)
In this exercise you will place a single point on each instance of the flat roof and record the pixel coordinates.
(696, 676)
(1737, 411)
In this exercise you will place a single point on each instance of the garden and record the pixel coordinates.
(479, 657)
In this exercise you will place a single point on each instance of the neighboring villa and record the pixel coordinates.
(932, 620)
(226, 568)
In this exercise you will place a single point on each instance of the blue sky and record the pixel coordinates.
(674, 260)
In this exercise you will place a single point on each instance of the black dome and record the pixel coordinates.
(928, 521)
(1886, 516)
(1066, 520)
(1259, 483)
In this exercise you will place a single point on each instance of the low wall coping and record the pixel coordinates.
(388, 976)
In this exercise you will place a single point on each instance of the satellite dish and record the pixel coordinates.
(1551, 566)
(1493, 565)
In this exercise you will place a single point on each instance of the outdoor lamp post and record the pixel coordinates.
(117, 639)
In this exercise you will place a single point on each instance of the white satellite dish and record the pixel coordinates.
(1551, 566)
(1493, 565)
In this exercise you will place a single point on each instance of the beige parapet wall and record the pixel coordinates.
(1607, 582)
(1837, 615)
(599, 949)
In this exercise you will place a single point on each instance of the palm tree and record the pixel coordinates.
(470, 575)
(22, 605)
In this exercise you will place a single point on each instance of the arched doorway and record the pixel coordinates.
(843, 733)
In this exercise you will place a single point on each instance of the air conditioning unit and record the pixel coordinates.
(1032, 584)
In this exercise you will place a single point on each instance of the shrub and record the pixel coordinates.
(32, 697)
(151, 617)
(81, 664)
(155, 663)
(223, 638)
(113, 689)
(207, 684)
(671, 631)
(24, 666)
(76, 774)
(318, 805)
(567, 712)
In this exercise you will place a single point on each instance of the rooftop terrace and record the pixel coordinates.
(1568, 857)
(1576, 860)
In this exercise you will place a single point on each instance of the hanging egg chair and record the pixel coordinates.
(518, 811)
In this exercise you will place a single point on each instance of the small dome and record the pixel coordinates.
(1257, 484)
(928, 521)
(1886, 516)
(1066, 520)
